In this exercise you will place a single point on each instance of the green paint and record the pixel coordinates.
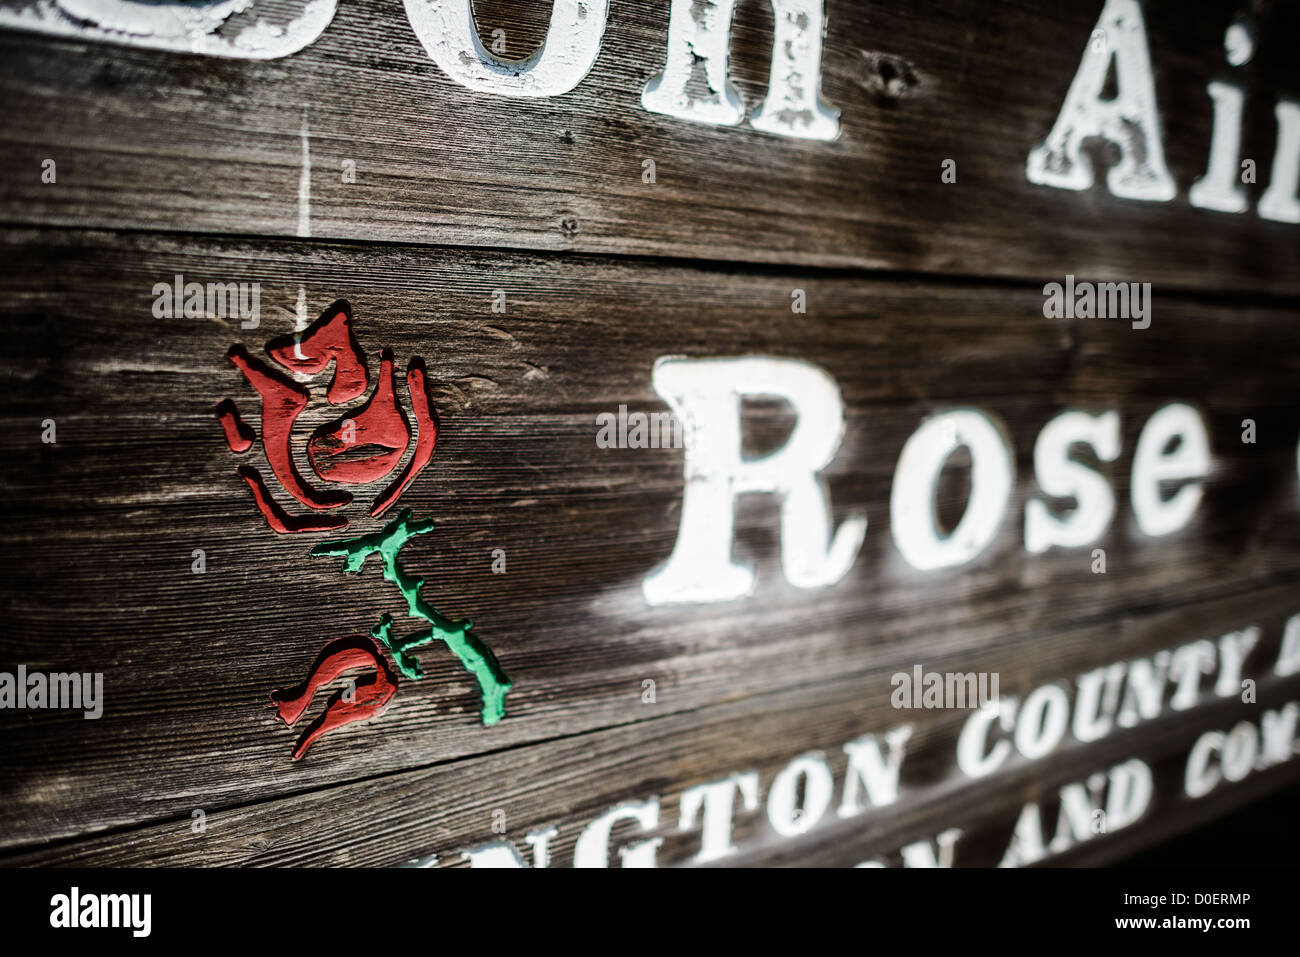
(474, 655)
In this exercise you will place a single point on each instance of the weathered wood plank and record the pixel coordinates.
(170, 141)
(565, 784)
(98, 528)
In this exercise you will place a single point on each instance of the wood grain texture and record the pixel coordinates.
(159, 141)
(97, 532)
(446, 808)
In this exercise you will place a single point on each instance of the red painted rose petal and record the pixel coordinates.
(366, 444)
(337, 658)
(426, 421)
(328, 339)
(239, 436)
(282, 402)
(280, 520)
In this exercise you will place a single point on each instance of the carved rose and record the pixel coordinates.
(365, 444)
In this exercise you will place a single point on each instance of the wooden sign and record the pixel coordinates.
(607, 434)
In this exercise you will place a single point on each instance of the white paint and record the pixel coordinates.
(1220, 188)
(1288, 656)
(718, 799)
(242, 29)
(695, 83)
(1129, 786)
(592, 847)
(141, 19)
(1128, 794)
(1238, 43)
(785, 813)
(922, 853)
(448, 34)
(1187, 463)
(1037, 729)
(1061, 477)
(304, 181)
(1189, 663)
(1096, 699)
(794, 106)
(1278, 730)
(540, 841)
(1233, 649)
(1144, 691)
(699, 35)
(503, 854)
(1200, 776)
(1042, 721)
(498, 854)
(1026, 844)
(1130, 121)
(705, 395)
(300, 320)
(876, 774)
(1080, 801)
(912, 505)
(973, 758)
(1240, 749)
(1122, 694)
(1279, 202)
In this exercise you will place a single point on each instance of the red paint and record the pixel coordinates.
(359, 448)
(366, 444)
(426, 421)
(238, 434)
(336, 658)
(280, 520)
(282, 402)
(329, 338)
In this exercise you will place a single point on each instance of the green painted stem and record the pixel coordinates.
(474, 655)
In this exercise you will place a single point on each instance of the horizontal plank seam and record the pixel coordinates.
(1149, 608)
(693, 263)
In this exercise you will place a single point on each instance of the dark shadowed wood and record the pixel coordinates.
(446, 808)
(98, 530)
(161, 141)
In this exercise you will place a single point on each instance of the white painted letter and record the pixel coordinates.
(706, 396)
(699, 34)
(1288, 656)
(971, 757)
(1200, 779)
(241, 29)
(1233, 649)
(592, 848)
(794, 105)
(1131, 121)
(1060, 477)
(787, 817)
(448, 34)
(1220, 188)
(921, 853)
(878, 776)
(1042, 721)
(1279, 202)
(1152, 465)
(911, 501)
(718, 799)
(1130, 791)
